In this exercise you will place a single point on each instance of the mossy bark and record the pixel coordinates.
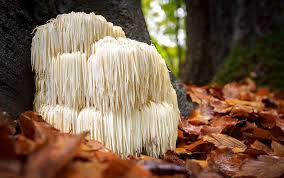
(214, 28)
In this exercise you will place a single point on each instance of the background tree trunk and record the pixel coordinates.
(215, 27)
(20, 17)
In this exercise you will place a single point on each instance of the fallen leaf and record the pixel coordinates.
(217, 92)
(263, 167)
(257, 133)
(79, 169)
(280, 123)
(124, 169)
(201, 115)
(255, 104)
(209, 174)
(268, 118)
(224, 141)
(53, 157)
(192, 129)
(243, 111)
(160, 168)
(202, 163)
(260, 146)
(225, 161)
(192, 146)
(197, 94)
(25, 146)
(8, 151)
(243, 91)
(194, 167)
(278, 149)
(172, 157)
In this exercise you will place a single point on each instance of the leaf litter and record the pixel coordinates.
(237, 130)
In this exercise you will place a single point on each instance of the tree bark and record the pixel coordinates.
(215, 27)
(20, 17)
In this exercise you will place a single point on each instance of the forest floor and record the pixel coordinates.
(236, 131)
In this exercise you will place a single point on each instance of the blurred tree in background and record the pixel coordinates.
(166, 24)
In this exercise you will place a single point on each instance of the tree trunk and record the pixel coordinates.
(20, 17)
(215, 27)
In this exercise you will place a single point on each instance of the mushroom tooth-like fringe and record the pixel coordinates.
(126, 74)
(61, 117)
(153, 129)
(110, 80)
(69, 33)
(65, 82)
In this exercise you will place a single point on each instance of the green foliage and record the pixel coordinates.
(170, 56)
(164, 24)
(265, 62)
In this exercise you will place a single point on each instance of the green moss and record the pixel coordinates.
(265, 62)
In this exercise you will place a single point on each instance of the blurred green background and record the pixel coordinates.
(166, 24)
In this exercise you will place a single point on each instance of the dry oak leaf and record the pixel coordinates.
(263, 167)
(278, 149)
(125, 169)
(225, 161)
(225, 141)
(260, 146)
(79, 169)
(268, 118)
(47, 161)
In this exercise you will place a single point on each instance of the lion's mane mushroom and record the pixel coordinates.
(90, 77)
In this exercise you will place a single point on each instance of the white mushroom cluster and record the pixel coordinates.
(88, 76)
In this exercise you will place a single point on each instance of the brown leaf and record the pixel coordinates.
(268, 118)
(198, 94)
(105, 155)
(231, 91)
(242, 111)
(263, 167)
(278, 149)
(218, 124)
(192, 129)
(219, 106)
(172, 157)
(53, 156)
(243, 91)
(217, 92)
(79, 169)
(25, 146)
(192, 146)
(13, 167)
(280, 123)
(193, 167)
(159, 167)
(201, 115)
(201, 96)
(224, 141)
(35, 128)
(125, 169)
(260, 146)
(8, 151)
(206, 174)
(225, 161)
(256, 133)
(254, 104)
(223, 121)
